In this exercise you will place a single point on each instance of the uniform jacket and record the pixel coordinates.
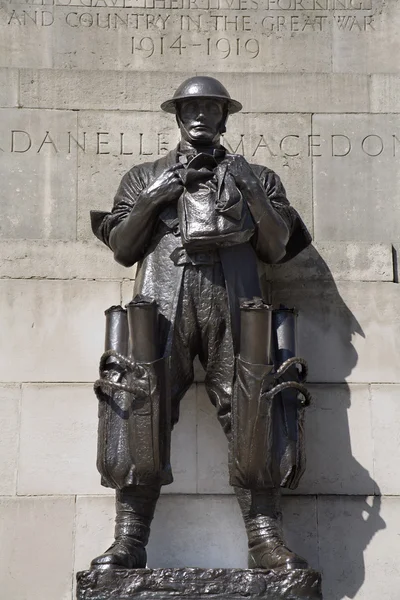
(159, 274)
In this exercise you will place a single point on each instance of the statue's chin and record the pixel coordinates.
(198, 136)
(201, 139)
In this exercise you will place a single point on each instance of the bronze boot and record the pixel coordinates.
(135, 509)
(262, 518)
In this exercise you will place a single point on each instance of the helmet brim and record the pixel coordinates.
(169, 106)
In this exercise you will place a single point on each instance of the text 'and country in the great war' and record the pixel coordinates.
(202, 16)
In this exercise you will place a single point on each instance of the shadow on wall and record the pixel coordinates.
(348, 502)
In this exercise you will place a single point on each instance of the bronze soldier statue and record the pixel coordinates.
(197, 222)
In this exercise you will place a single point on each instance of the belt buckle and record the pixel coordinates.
(201, 258)
(179, 257)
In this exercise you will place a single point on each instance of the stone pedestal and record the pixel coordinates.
(188, 584)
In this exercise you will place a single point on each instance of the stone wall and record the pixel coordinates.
(80, 86)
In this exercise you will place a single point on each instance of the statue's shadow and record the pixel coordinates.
(338, 425)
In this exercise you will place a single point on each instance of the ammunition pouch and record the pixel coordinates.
(134, 426)
(252, 423)
(267, 442)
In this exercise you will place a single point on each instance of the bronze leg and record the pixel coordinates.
(262, 518)
(135, 508)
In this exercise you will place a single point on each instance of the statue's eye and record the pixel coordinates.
(190, 108)
(214, 107)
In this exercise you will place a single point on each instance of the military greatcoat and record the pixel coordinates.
(157, 245)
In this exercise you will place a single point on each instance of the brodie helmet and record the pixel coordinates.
(201, 87)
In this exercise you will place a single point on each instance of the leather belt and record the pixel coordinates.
(180, 257)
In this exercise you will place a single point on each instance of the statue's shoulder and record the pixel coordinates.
(262, 170)
(149, 170)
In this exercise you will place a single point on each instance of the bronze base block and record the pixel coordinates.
(198, 584)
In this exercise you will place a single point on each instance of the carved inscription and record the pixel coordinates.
(175, 34)
(261, 18)
(221, 46)
(255, 147)
(278, 18)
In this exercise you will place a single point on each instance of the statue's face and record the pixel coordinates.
(200, 120)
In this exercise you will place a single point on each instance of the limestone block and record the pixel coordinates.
(53, 330)
(356, 177)
(97, 90)
(299, 92)
(10, 397)
(36, 553)
(358, 538)
(39, 193)
(258, 92)
(205, 531)
(346, 332)
(153, 38)
(366, 41)
(116, 141)
(359, 261)
(339, 445)
(184, 449)
(385, 419)
(26, 259)
(385, 92)
(212, 449)
(58, 440)
(197, 532)
(8, 87)
(94, 529)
